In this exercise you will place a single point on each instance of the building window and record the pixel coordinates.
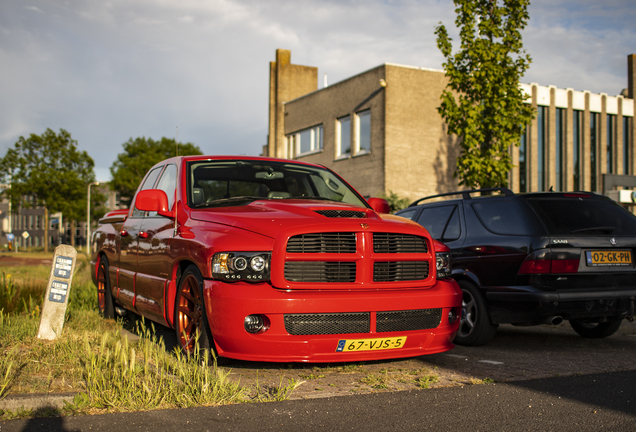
(541, 141)
(304, 142)
(611, 121)
(558, 154)
(31, 222)
(363, 132)
(37, 222)
(593, 153)
(576, 148)
(343, 137)
(626, 169)
(523, 162)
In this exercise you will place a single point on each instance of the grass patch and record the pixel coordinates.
(91, 357)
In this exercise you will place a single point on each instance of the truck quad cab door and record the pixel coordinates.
(128, 240)
(154, 262)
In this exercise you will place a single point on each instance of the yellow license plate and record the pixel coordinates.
(608, 258)
(350, 345)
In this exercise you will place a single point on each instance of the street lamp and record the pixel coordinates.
(88, 220)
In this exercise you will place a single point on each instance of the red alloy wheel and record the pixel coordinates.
(189, 313)
(101, 287)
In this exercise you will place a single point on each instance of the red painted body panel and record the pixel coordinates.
(228, 304)
(147, 255)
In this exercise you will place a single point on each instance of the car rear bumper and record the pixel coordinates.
(527, 304)
(227, 306)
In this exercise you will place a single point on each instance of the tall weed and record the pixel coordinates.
(121, 376)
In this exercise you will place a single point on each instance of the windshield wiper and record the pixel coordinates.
(226, 202)
(608, 229)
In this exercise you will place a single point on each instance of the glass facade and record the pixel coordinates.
(626, 169)
(611, 121)
(541, 145)
(558, 156)
(593, 147)
(523, 163)
(576, 149)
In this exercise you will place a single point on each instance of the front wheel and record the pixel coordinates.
(104, 293)
(191, 322)
(596, 330)
(475, 327)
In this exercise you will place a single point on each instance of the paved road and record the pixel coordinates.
(576, 403)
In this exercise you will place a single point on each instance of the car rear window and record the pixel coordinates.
(508, 216)
(586, 216)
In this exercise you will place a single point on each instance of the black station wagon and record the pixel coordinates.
(536, 258)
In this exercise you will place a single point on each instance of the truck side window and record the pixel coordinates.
(151, 178)
(168, 183)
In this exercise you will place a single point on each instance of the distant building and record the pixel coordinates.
(30, 220)
(381, 131)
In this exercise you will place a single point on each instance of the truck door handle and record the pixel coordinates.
(143, 234)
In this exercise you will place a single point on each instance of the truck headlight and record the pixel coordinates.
(443, 264)
(241, 266)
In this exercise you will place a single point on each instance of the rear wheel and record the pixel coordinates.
(104, 293)
(191, 322)
(596, 330)
(475, 327)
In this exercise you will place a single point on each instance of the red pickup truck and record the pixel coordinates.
(274, 260)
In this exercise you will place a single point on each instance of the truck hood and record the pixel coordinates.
(268, 217)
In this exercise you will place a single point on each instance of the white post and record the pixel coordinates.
(88, 220)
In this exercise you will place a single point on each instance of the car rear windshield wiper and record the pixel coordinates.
(226, 202)
(606, 229)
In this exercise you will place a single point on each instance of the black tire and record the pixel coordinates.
(599, 330)
(104, 292)
(191, 318)
(475, 327)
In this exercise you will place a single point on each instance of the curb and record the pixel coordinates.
(35, 401)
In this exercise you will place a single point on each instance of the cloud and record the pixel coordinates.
(109, 71)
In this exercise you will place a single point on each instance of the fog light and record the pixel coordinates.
(253, 323)
(452, 316)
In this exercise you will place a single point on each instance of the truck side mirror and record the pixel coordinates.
(380, 205)
(153, 200)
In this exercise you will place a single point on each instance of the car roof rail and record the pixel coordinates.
(465, 194)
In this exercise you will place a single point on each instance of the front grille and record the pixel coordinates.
(400, 271)
(322, 243)
(323, 324)
(318, 271)
(420, 319)
(398, 243)
(341, 213)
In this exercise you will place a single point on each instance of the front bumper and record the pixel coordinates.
(227, 306)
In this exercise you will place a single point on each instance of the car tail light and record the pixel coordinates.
(549, 266)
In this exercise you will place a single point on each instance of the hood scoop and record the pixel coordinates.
(342, 213)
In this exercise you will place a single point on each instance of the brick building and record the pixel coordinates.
(381, 131)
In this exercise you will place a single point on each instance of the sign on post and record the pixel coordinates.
(57, 292)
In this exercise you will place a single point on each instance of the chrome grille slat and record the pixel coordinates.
(398, 243)
(322, 243)
(400, 271)
(320, 271)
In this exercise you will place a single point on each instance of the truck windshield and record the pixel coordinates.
(238, 182)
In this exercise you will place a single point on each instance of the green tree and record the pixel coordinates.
(396, 202)
(48, 170)
(483, 104)
(139, 155)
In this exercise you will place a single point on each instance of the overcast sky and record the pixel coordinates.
(109, 70)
